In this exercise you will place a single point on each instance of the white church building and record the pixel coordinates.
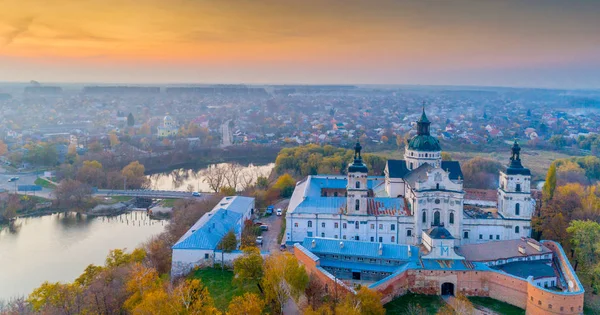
(415, 195)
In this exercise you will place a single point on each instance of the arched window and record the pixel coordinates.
(437, 186)
(517, 208)
(424, 217)
(517, 229)
(357, 185)
(309, 223)
(518, 188)
(357, 205)
(411, 165)
(436, 218)
(393, 239)
(356, 225)
(451, 219)
(425, 154)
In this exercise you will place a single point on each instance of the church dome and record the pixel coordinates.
(168, 118)
(424, 143)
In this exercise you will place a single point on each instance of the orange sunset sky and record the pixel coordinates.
(541, 43)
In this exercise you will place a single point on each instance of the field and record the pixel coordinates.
(220, 286)
(44, 183)
(496, 306)
(430, 303)
(538, 161)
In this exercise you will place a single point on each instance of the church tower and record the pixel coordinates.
(514, 191)
(423, 148)
(357, 191)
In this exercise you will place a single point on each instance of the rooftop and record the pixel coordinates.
(524, 269)
(360, 249)
(496, 250)
(208, 231)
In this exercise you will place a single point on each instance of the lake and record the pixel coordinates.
(58, 247)
(180, 179)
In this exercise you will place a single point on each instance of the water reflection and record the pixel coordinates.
(181, 179)
(58, 247)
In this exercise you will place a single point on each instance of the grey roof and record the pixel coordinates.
(439, 232)
(419, 174)
(524, 269)
(397, 168)
(495, 250)
(360, 249)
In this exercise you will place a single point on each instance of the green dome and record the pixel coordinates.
(424, 143)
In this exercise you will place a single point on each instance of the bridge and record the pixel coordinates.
(146, 193)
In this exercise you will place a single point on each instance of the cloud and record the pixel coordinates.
(19, 28)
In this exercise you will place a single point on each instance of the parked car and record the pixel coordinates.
(282, 247)
(269, 210)
(259, 240)
(258, 223)
(12, 179)
(196, 194)
(279, 211)
(264, 227)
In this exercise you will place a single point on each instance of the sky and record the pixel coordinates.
(532, 43)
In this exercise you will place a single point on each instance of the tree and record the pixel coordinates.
(118, 257)
(53, 298)
(247, 304)
(3, 148)
(262, 182)
(233, 175)
(550, 184)
(446, 156)
(72, 193)
(558, 141)
(585, 236)
(283, 278)
(91, 173)
(130, 120)
(249, 267)
(95, 147)
(370, 302)
(228, 191)
(227, 245)
(285, 184)
(134, 175)
(192, 297)
(214, 175)
(481, 173)
(114, 139)
(158, 253)
(141, 281)
(315, 292)
(384, 139)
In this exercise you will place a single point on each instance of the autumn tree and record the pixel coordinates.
(114, 139)
(550, 184)
(233, 174)
(283, 278)
(134, 175)
(227, 245)
(315, 292)
(285, 184)
(446, 156)
(118, 257)
(56, 298)
(142, 280)
(585, 236)
(158, 253)
(247, 304)
(227, 191)
(3, 148)
(72, 194)
(95, 147)
(249, 267)
(480, 172)
(91, 173)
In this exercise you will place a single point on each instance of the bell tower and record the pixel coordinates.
(357, 191)
(514, 191)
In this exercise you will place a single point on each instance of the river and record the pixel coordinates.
(58, 247)
(181, 179)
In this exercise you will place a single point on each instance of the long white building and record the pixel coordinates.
(414, 195)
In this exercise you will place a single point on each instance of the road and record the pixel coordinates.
(226, 134)
(24, 179)
(274, 222)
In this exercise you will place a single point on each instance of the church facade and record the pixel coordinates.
(413, 196)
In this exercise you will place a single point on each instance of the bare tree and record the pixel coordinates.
(234, 174)
(214, 176)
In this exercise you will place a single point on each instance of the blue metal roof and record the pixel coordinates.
(238, 204)
(360, 249)
(452, 264)
(335, 182)
(207, 233)
(329, 205)
(357, 266)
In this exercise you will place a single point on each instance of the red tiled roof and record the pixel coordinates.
(481, 194)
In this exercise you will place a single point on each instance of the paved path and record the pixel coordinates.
(479, 310)
(226, 134)
(274, 222)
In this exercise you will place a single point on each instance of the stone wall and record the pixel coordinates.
(312, 268)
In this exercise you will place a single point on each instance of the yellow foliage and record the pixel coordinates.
(248, 304)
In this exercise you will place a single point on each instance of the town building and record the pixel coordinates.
(199, 245)
(168, 129)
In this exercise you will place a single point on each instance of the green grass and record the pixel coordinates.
(496, 306)
(44, 183)
(220, 285)
(430, 303)
(168, 202)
